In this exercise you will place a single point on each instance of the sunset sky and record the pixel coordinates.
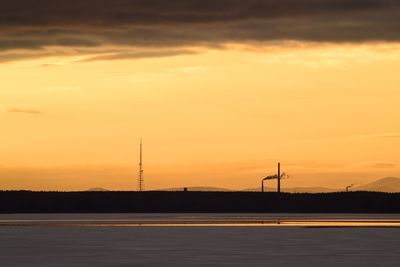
(220, 91)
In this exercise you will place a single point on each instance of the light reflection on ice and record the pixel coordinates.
(171, 220)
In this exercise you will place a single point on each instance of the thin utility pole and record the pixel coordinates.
(279, 177)
(141, 177)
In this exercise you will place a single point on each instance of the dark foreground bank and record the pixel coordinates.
(354, 202)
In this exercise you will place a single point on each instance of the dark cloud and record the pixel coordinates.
(150, 12)
(138, 25)
(24, 110)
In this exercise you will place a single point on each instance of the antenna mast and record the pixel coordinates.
(141, 178)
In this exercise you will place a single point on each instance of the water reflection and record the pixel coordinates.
(200, 220)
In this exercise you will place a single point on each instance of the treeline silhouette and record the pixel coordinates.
(161, 201)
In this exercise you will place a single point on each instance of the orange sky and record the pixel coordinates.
(218, 118)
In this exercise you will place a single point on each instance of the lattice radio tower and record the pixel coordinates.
(141, 177)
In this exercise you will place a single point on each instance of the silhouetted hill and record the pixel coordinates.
(295, 189)
(388, 184)
(315, 189)
(197, 189)
(97, 189)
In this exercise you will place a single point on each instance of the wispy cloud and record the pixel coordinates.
(25, 110)
(387, 135)
(376, 165)
(137, 55)
(63, 88)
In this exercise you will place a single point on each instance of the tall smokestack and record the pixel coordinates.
(279, 177)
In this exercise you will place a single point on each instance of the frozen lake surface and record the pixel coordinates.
(199, 239)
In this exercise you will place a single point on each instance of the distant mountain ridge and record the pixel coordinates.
(388, 184)
(197, 188)
(315, 189)
(97, 189)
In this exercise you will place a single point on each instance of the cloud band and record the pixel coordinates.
(138, 25)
